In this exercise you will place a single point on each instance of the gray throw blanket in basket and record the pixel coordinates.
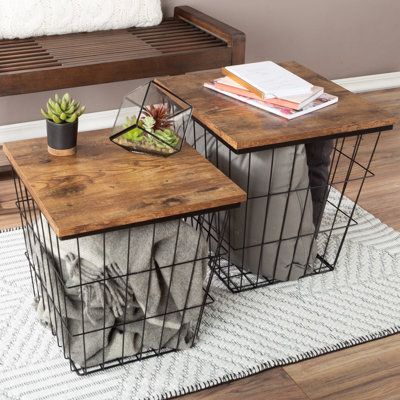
(290, 215)
(162, 306)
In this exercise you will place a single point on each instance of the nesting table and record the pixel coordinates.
(104, 193)
(293, 223)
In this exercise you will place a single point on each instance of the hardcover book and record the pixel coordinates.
(267, 79)
(322, 101)
(295, 102)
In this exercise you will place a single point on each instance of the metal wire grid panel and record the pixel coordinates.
(295, 221)
(122, 296)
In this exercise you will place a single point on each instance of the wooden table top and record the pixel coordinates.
(104, 186)
(243, 127)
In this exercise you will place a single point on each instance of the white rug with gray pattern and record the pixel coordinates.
(241, 333)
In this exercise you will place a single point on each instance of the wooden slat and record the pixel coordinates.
(99, 47)
(79, 59)
(5, 42)
(39, 65)
(23, 57)
(59, 77)
(23, 52)
(191, 36)
(31, 62)
(18, 46)
(127, 186)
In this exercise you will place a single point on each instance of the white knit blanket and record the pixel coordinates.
(26, 18)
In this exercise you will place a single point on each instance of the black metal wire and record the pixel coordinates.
(345, 167)
(50, 286)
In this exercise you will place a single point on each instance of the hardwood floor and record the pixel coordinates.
(370, 371)
(367, 372)
(8, 211)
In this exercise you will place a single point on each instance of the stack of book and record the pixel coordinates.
(272, 88)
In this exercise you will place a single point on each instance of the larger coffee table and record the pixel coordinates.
(296, 174)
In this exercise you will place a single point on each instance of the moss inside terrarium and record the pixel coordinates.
(155, 120)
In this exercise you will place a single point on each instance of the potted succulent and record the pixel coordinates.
(152, 120)
(162, 138)
(62, 115)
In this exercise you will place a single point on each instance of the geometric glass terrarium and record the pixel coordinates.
(152, 120)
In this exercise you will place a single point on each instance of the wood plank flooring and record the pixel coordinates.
(367, 372)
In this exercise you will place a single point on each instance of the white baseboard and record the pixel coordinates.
(34, 129)
(105, 119)
(368, 83)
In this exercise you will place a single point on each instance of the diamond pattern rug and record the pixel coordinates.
(241, 334)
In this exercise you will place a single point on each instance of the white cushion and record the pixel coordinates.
(26, 18)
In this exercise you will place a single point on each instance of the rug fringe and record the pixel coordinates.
(16, 228)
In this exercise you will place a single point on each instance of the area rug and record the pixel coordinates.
(242, 334)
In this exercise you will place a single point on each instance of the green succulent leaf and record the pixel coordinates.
(62, 109)
(148, 123)
(66, 98)
(64, 105)
(56, 119)
(45, 114)
(134, 135)
(72, 118)
(81, 111)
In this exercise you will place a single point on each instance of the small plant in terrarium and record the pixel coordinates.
(156, 121)
(152, 120)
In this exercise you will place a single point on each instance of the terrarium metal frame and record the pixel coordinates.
(350, 164)
(45, 265)
(170, 98)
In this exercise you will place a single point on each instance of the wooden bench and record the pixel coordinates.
(190, 41)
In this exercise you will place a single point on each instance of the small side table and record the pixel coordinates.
(296, 174)
(116, 243)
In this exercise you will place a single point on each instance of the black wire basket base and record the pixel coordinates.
(145, 295)
(297, 216)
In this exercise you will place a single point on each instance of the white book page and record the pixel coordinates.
(271, 79)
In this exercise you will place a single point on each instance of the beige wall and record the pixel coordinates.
(338, 38)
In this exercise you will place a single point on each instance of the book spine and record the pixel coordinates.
(246, 93)
(284, 103)
(242, 82)
(235, 90)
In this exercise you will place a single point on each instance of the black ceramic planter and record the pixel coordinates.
(61, 138)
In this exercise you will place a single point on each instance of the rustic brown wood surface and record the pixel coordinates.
(104, 186)
(244, 127)
(366, 372)
(176, 46)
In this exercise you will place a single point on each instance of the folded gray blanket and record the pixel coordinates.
(126, 308)
(289, 215)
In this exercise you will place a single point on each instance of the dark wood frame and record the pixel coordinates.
(217, 44)
(190, 41)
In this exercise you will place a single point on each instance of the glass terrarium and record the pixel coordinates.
(152, 120)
